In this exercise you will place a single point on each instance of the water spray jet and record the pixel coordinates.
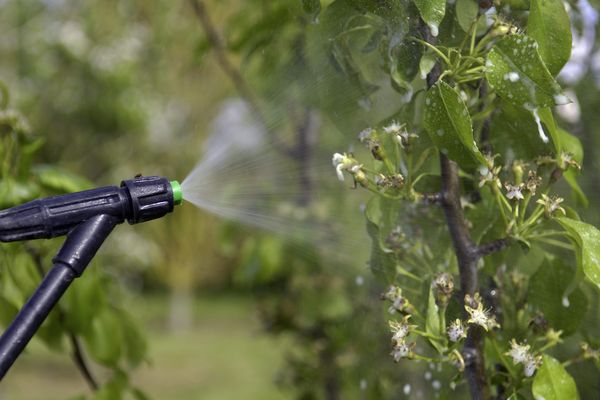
(86, 218)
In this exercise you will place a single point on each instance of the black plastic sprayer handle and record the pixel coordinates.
(70, 262)
(137, 200)
(87, 218)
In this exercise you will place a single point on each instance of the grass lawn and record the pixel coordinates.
(223, 356)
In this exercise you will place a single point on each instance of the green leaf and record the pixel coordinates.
(113, 389)
(24, 274)
(466, 13)
(516, 396)
(515, 70)
(432, 322)
(391, 9)
(432, 12)
(545, 116)
(580, 196)
(547, 292)
(311, 7)
(449, 125)
(553, 382)
(59, 180)
(138, 394)
(550, 26)
(83, 300)
(514, 133)
(572, 145)
(587, 239)
(103, 341)
(379, 222)
(426, 64)
(135, 346)
(404, 64)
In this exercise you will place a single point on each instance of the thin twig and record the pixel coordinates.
(493, 247)
(219, 48)
(77, 352)
(467, 257)
(80, 361)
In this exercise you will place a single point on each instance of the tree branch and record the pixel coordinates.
(467, 255)
(219, 47)
(493, 247)
(80, 361)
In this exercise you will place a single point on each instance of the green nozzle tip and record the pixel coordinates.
(177, 193)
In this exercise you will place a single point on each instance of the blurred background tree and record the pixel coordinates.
(112, 89)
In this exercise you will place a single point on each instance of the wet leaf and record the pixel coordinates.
(550, 26)
(587, 239)
(404, 65)
(449, 125)
(553, 382)
(426, 65)
(548, 292)
(515, 70)
(432, 12)
(379, 222)
(466, 13)
(514, 132)
(572, 145)
(432, 323)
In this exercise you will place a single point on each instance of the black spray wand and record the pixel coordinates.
(87, 218)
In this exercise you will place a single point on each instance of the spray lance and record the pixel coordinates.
(86, 218)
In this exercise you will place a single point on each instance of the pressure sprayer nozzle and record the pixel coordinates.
(177, 193)
(136, 200)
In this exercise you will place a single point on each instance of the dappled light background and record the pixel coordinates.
(265, 264)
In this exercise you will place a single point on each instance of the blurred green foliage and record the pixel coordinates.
(115, 89)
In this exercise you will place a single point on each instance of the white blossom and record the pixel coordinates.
(551, 205)
(478, 315)
(518, 352)
(402, 350)
(514, 192)
(393, 128)
(343, 162)
(456, 331)
(531, 365)
(365, 134)
(400, 329)
(399, 302)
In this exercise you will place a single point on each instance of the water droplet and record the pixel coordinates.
(437, 385)
(560, 99)
(565, 302)
(539, 125)
(440, 132)
(360, 280)
(512, 76)
(406, 389)
(434, 29)
(427, 375)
